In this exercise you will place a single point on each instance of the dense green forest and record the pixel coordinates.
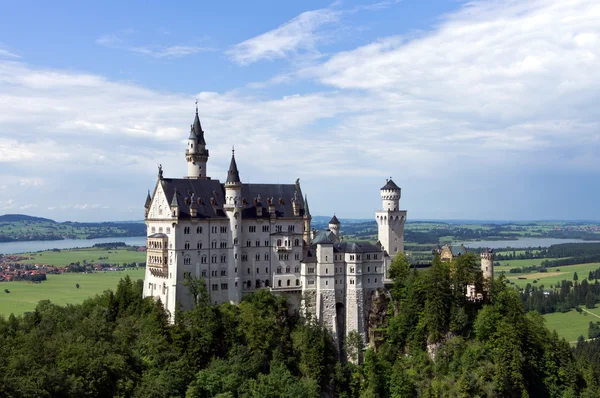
(437, 343)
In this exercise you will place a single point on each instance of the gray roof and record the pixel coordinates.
(196, 130)
(158, 235)
(148, 200)
(204, 190)
(306, 209)
(457, 250)
(233, 175)
(334, 220)
(355, 247)
(175, 200)
(390, 185)
(323, 238)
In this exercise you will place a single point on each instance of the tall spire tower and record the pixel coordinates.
(196, 153)
(390, 220)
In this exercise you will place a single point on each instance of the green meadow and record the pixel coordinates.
(553, 276)
(60, 289)
(572, 324)
(90, 255)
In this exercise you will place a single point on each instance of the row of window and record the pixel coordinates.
(214, 229)
(160, 230)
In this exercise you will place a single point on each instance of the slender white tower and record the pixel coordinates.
(196, 153)
(390, 222)
(233, 207)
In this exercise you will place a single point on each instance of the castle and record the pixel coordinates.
(242, 237)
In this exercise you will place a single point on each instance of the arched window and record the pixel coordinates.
(278, 242)
(287, 270)
(297, 242)
(257, 256)
(214, 258)
(204, 259)
(279, 270)
(204, 273)
(279, 283)
(199, 245)
(288, 282)
(187, 245)
(199, 230)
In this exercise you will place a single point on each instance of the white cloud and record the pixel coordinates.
(301, 33)
(8, 54)
(121, 40)
(27, 206)
(31, 182)
(7, 204)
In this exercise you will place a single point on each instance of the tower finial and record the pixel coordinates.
(196, 106)
(160, 171)
(233, 150)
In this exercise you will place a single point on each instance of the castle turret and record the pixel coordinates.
(175, 205)
(487, 264)
(196, 153)
(334, 226)
(390, 222)
(233, 207)
(147, 205)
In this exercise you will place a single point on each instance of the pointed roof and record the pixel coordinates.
(306, 209)
(334, 220)
(322, 238)
(148, 200)
(196, 129)
(390, 185)
(175, 202)
(233, 175)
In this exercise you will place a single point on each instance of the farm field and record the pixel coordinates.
(60, 289)
(554, 275)
(90, 255)
(572, 324)
(508, 264)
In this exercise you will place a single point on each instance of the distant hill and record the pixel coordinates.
(21, 227)
(22, 217)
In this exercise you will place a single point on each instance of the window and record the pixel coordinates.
(198, 230)
(213, 244)
(214, 273)
(187, 245)
(168, 230)
(186, 230)
(278, 242)
(296, 269)
(266, 283)
(290, 228)
(311, 270)
(160, 230)
(204, 259)
(279, 283)
(278, 228)
(204, 273)
(351, 269)
(257, 243)
(223, 272)
(223, 245)
(257, 256)
(213, 229)
(368, 280)
(352, 281)
(297, 242)
(244, 257)
(153, 229)
(257, 271)
(248, 243)
(368, 269)
(284, 257)
(375, 269)
(279, 270)
(266, 256)
(214, 258)
(287, 270)
(311, 282)
(266, 270)
(326, 283)
(375, 256)
(257, 283)
(368, 256)
(223, 229)
(215, 287)
(326, 270)
(266, 243)
(199, 245)
(235, 271)
(223, 286)
(297, 282)
(375, 280)
(252, 228)
(265, 228)
(248, 271)
(186, 275)
(223, 258)
(235, 241)
(288, 282)
(249, 284)
(352, 257)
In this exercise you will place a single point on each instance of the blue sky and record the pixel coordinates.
(479, 110)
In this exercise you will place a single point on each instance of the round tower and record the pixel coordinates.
(196, 153)
(487, 264)
(390, 196)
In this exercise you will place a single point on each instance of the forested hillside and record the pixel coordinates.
(19, 227)
(436, 344)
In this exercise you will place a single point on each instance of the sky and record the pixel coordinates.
(477, 110)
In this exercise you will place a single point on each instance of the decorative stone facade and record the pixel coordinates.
(243, 237)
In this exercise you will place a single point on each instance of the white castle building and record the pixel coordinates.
(243, 237)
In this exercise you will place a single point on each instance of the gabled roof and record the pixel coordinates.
(205, 189)
(334, 220)
(355, 247)
(390, 185)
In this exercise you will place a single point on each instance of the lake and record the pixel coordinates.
(37, 245)
(521, 243)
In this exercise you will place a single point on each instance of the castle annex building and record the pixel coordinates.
(242, 237)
